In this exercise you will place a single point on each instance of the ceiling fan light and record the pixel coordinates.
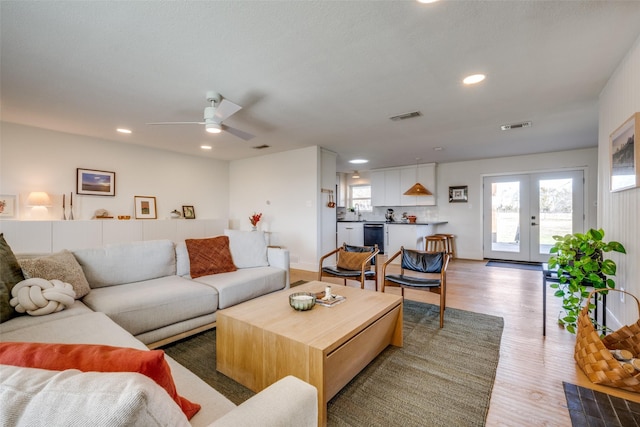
(213, 128)
(418, 190)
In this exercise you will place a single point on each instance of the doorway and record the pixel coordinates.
(522, 213)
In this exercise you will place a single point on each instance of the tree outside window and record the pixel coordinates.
(361, 196)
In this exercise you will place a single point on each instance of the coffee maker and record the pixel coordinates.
(389, 215)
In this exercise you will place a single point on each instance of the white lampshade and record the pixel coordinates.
(38, 198)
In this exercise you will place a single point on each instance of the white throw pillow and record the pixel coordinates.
(248, 248)
(39, 397)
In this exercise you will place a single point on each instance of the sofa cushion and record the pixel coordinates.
(62, 266)
(99, 358)
(209, 256)
(39, 297)
(245, 284)
(127, 262)
(248, 248)
(352, 260)
(10, 274)
(20, 322)
(30, 396)
(145, 306)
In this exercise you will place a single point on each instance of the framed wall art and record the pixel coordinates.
(188, 212)
(458, 194)
(95, 183)
(624, 155)
(145, 207)
(8, 206)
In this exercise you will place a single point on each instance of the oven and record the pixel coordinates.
(374, 235)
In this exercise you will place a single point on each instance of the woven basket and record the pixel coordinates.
(592, 352)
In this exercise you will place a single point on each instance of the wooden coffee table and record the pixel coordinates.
(264, 339)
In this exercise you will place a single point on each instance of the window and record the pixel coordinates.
(361, 196)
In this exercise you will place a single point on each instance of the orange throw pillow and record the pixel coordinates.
(352, 260)
(96, 358)
(209, 256)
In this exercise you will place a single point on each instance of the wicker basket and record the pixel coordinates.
(593, 355)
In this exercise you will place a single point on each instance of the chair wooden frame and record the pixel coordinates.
(422, 282)
(360, 275)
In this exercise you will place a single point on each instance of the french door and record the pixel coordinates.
(522, 213)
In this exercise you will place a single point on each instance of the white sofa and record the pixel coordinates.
(141, 294)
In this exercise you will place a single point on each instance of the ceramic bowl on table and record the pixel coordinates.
(302, 301)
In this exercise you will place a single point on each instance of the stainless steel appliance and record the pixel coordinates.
(374, 235)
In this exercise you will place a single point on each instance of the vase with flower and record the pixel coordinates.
(255, 218)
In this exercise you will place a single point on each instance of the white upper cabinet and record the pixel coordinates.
(388, 185)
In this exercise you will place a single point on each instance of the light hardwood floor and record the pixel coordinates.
(528, 387)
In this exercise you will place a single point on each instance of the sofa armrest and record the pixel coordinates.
(279, 258)
(288, 402)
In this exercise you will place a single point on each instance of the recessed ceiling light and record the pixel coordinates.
(358, 161)
(206, 147)
(123, 130)
(437, 148)
(427, 1)
(473, 79)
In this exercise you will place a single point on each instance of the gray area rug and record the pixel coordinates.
(441, 377)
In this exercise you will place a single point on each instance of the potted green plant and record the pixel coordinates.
(580, 264)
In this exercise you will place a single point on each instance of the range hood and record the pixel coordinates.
(418, 190)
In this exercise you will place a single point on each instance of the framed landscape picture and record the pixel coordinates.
(145, 207)
(624, 155)
(95, 183)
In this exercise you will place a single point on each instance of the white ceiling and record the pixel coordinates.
(318, 73)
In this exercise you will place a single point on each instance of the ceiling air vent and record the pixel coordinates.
(260, 147)
(516, 126)
(406, 116)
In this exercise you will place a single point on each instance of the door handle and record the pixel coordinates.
(533, 223)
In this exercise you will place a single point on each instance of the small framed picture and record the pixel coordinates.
(8, 206)
(188, 212)
(458, 194)
(145, 207)
(95, 183)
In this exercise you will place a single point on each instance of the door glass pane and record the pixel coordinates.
(556, 210)
(505, 216)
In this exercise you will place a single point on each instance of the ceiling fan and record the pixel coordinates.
(214, 115)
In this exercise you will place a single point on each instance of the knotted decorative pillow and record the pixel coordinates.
(38, 297)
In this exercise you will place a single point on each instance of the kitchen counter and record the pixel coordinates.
(397, 222)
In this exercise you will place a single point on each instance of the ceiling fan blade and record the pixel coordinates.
(225, 109)
(237, 132)
(177, 123)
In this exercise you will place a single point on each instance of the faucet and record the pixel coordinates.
(357, 206)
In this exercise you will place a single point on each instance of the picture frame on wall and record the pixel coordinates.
(188, 212)
(624, 156)
(145, 207)
(458, 194)
(8, 206)
(91, 182)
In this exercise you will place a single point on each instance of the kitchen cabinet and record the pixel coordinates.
(402, 235)
(388, 185)
(385, 187)
(351, 233)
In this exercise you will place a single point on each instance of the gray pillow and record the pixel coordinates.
(10, 274)
(62, 266)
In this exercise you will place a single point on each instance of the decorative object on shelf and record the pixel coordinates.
(8, 206)
(71, 206)
(302, 301)
(64, 209)
(39, 201)
(102, 214)
(145, 207)
(175, 213)
(255, 218)
(458, 194)
(188, 212)
(122, 217)
(95, 183)
(625, 155)
(579, 263)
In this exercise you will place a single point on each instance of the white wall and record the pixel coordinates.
(33, 159)
(465, 219)
(618, 212)
(285, 188)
